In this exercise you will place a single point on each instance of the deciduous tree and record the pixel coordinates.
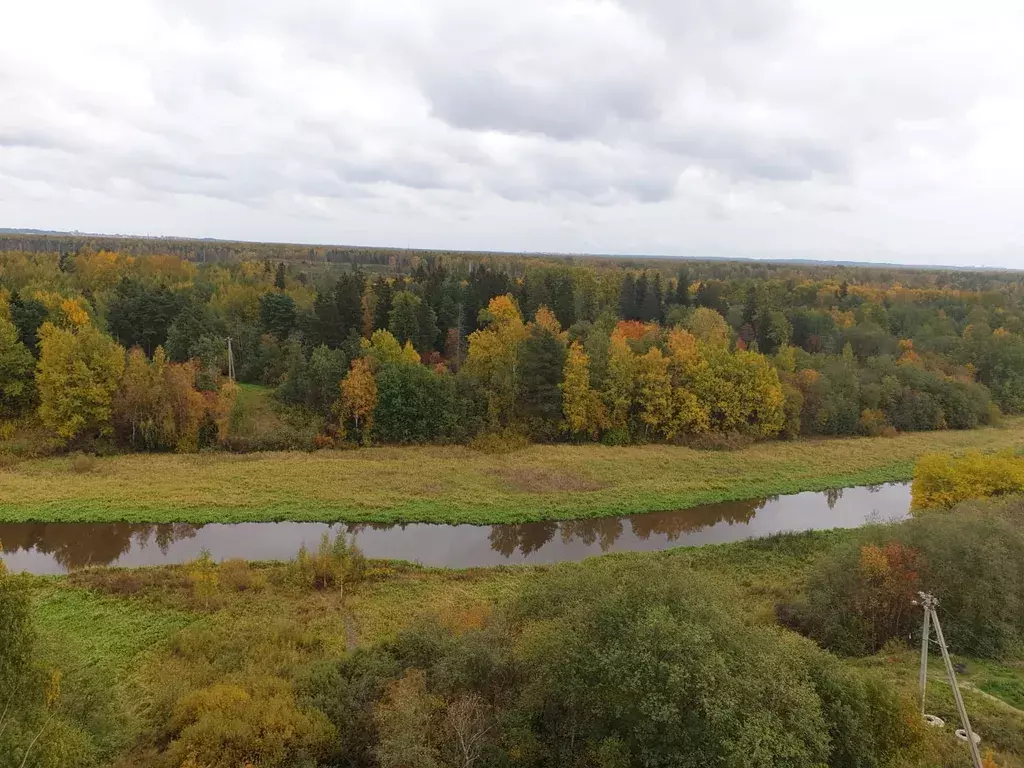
(581, 404)
(17, 371)
(78, 373)
(359, 397)
(494, 356)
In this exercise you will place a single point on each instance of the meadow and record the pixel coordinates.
(454, 484)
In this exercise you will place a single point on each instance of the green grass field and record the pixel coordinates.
(459, 485)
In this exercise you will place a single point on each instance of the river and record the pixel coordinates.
(48, 548)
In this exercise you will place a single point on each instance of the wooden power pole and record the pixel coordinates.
(929, 602)
(231, 361)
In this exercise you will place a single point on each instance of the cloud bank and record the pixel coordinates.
(771, 128)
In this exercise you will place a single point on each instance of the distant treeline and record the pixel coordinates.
(406, 346)
(404, 260)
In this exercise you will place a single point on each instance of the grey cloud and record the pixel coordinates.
(481, 98)
(721, 111)
(38, 138)
(752, 154)
(742, 20)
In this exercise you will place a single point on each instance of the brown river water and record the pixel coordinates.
(60, 547)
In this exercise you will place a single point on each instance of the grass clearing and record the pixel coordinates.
(82, 628)
(99, 642)
(459, 485)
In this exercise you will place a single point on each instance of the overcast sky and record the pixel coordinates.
(886, 130)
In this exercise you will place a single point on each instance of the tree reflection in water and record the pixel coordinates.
(674, 524)
(527, 538)
(77, 545)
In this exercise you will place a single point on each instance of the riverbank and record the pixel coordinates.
(459, 485)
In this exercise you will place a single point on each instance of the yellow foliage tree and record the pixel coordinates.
(690, 385)
(359, 397)
(908, 355)
(493, 356)
(157, 405)
(409, 354)
(78, 373)
(709, 327)
(654, 394)
(383, 348)
(98, 271)
(545, 318)
(744, 394)
(17, 366)
(620, 386)
(62, 311)
(238, 302)
(223, 404)
(581, 404)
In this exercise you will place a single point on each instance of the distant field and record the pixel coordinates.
(458, 485)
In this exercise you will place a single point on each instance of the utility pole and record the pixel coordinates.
(926, 600)
(231, 361)
(929, 602)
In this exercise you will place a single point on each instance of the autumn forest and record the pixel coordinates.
(125, 347)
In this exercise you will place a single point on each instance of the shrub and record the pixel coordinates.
(627, 662)
(616, 436)
(235, 574)
(226, 725)
(82, 463)
(499, 443)
(858, 596)
(332, 565)
(872, 422)
(203, 576)
(942, 481)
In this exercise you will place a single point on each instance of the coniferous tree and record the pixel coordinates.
(682, 294)
(651, 310)
(140, 315)
(542, 364)
(629, 308)
(27, 315)
(277, 314)
(383, 293)
(404, 319)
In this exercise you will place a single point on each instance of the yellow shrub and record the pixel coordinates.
(256, 720)
(942, 481)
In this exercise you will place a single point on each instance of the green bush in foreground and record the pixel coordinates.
(619, 665)
(860, 595)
